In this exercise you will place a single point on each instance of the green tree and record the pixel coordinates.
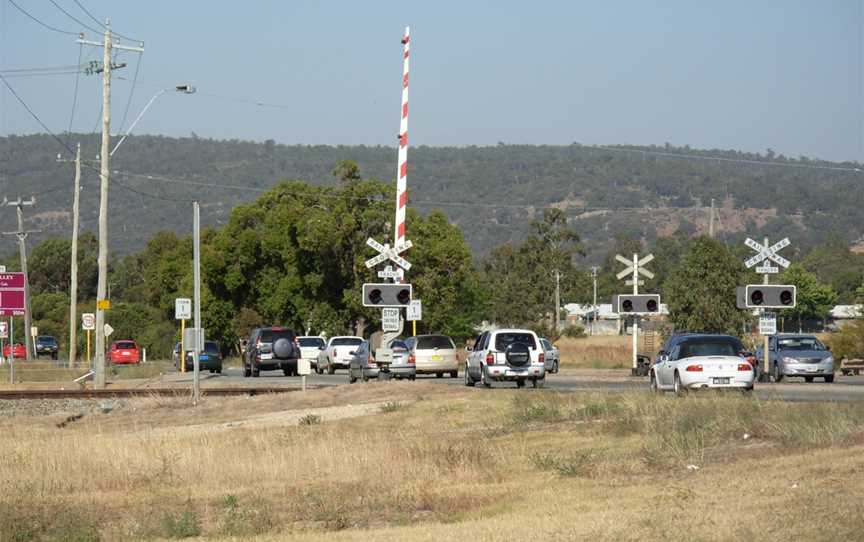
(813, 299)
(49, 265)
(700, 291)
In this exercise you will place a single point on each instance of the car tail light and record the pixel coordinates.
(694, 369)
(490, 359)
(412, 359)
(258, 343)
(541, 358)
(370, 360)
(745, 367)
(334, 353)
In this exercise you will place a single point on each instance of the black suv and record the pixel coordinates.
(271, 349)
(46, 345)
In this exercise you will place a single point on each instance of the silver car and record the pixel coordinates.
(361, 364)
(799, 356)
(553, 356)
(401, 364)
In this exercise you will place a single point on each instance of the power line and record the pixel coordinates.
(131, 92)
(32, 114)
(75, 93)
(97, 21)
(90, 28)
(41, 69)
(48, 26)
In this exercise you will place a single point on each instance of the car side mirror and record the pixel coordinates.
(828, 347)
(468, 348)
(322, 348)
(352, 353)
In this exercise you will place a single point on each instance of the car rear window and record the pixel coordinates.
(800, 343)
(434, 341)
(272, 335)
(211, 347)
(503, 340)
(398, 345)
(347, 341)
(710, 347)
(311, 341)
(125, 344)
(47, 339)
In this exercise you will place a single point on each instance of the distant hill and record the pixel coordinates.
(490, 192)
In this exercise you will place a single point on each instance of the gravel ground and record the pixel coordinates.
(49, 407)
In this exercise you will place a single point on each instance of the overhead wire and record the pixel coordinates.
(131, 93)
(35, 116)
(97, 21)
(46, 25)
(58, 6)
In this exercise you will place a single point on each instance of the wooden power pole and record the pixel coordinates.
(19, 204)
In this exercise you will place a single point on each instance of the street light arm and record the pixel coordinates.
(185, 89)
(141, 114)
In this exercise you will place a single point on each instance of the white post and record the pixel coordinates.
(104, 159)
(635, 318)
(196, 253)
(766, 369)
(73, 278)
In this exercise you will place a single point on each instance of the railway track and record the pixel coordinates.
(135, 392)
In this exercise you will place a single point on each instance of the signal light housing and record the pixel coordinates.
(636, 304)
(386, 295)
(767, 296)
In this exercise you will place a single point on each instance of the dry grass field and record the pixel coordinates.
(597, 352)
(48, 371)
(413, 461)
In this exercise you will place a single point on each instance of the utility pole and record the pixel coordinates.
(557, 300)
(711, 221)
(196, 274)
(19, 204)
(73, 274)
(102, 302)
(594, 306)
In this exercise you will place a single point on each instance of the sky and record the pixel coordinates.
(785, 75)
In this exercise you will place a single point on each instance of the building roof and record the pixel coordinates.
(847, 311)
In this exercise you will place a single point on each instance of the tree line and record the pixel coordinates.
(295, 256)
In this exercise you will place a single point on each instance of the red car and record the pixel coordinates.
(19, 350)
(124, 352)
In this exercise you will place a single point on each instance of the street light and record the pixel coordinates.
(185, 89)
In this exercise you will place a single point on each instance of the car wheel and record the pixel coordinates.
(845, 373)
(219, 370)
(520, 383)
(555, 367)
(484, 378)
(829, 379)
(247, 372)
(331, 370)
(439, 375)
(778, 376)
(351, 378)
(808, 379)
(286, 372)
(454, 374)
(468, 380)
(654, 386)
(679, 389)
(256, 372)
(412, 378)
(538, 382)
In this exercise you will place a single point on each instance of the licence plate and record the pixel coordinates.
(127, 354)
(437, 358)
(722, 380)
(812, 369)
(266, 356)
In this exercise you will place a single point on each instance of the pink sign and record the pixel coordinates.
(11, 280)
(12, 303)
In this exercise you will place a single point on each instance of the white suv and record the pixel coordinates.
(512, 355)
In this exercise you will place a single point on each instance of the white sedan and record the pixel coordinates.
(703, 361)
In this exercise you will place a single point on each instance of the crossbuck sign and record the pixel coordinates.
(635, 267)
(386, 252)
(766, 254)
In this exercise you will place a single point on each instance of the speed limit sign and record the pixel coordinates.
(88, 321)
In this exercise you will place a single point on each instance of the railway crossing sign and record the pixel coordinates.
(386, 252)
(390, 273)
(767, 254)
(635, 267)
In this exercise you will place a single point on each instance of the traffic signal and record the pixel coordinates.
(386, 295)
(768, 296)
(636, 304)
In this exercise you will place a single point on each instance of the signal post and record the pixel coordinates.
(636, 304)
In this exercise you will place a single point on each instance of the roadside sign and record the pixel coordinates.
(12, 302)
(108, 330)
(103, 304)
(4, 330)
(88, 321)
(2, 268)
(189, 335)
(390, 273)
(390, 319)
(182, 308)
(766, 254)
(386, 252)
(768, 323)
(11, 280)
(414, 312)
(34, 331)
